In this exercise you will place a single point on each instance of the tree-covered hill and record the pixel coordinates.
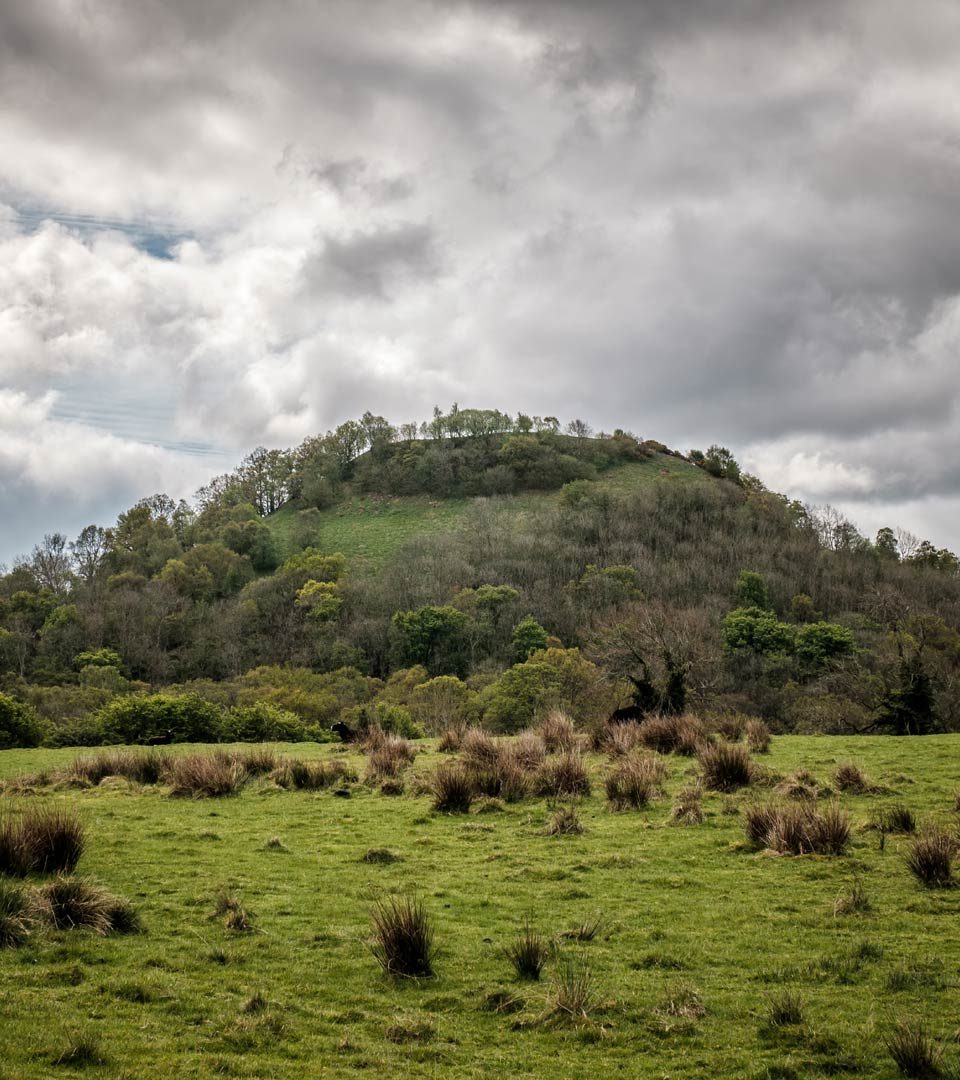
(476, 567)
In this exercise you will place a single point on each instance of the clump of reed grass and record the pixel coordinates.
(930, 859)
(41, 840)
(528, 953)
(564, 821)
(798, 829)
(563, 775)
(914, 1052)
(138, 766)
(205, 776)
(851, 779)
(16, 914)
(688, 806)
(758, 735)
(854, 902)
(785, 1009)
(682, 735)
(635, 781)
(557, 732)
(72, 903)
(452, 789)
(574, 995)
(403, 938)
(725, 766)
(235, 916)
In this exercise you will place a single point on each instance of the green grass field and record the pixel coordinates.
(368, 529)
(690, 916)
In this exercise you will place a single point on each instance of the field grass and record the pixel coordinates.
(368, 529)
(698, 936)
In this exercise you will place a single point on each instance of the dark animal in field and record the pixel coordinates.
(346, 734)
(628, 715)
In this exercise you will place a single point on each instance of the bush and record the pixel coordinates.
(202, 776)
(403, 938)
(19, 726)
(528, 953)
(262, 722)
(41, 841)
(930, 859)
(452, 788)
(725, 766)
(563, 775)
(153, 718)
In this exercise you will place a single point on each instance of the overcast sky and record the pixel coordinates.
(226, 223)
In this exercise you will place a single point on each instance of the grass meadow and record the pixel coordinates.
(685, 950)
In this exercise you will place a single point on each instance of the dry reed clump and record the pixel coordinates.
(730, 726)
(798, 829)
(295, 774)
(528, 750)
(16, 914)
(504, 779)
(562, 776)
(41, 840)
(204, 776)
(557, 731)
(389, 758)
(682, 735)
(800, 784)
(451, 738)
(725, 766)
(138, 766)
(235, 916)
(452, 789)
(564, 821)
(258, 760)
(896, 819)
(479, 748)
(618, 740)
(574, 995)
(914, 1052)
(850, 778)
(688, 806)
(635, 781)
(930, 859)
(403, 938)
(72, 903)
(758, 735)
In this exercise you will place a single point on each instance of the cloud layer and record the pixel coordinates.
(733, 223)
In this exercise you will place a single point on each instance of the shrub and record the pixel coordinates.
(564, 821)
(15, 914)
(42, 841)
(452, 789)
(563, 775)
(262, 722)
(147, 718)
(557, 731)
(673, 734)
(799, 830)
(403, 938)
(758, 736)
(634, 782)
(19, 725)
(202, 776)
(688, 807)
(930, 859)
(913, 1051)
(528, 953)
(851, 779)
(725, 766)
(70, 903)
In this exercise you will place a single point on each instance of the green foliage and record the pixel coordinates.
(528, 637)
(320, 599)
(752, 591)
(392, 718)
(316, 698)
(818, 642)
(263, 722)
(315, 565)
(104, 658)
(754, 630)
(432, 636)
(443, 702)
(19, 725)
(145, 718)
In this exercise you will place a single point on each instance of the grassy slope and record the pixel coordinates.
(687, 906)
(369, 528)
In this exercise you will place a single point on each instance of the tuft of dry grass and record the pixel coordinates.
(564, 821)
(688, 806)
(528, 750)
(854, 902)
(138, 766)
(914, 1051)
(72, 903)
(479, 748)
(682, 735)
(41, 840)
(798, 829)
(618, 740)
(562, 775)
(452, 789)
(403, 938)
(205, 776)
(451, 738)
(725, 766)
(850, 778)
(800, 784)
(557, 732)
(574, 995)
(758, 735)
(896, 819)
(930, 859)
(785, 1009)
(234, 915)
(292, 773)
(635, 781)
(388, 757)
(16, 914)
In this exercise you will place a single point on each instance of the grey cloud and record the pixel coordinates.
(370, 265)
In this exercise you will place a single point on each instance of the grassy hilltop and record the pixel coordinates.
(699, 947)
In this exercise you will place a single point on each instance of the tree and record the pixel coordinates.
(528, 637)
(88, 552)
(51, 564)
(19, 725)
(443, 702)
(886, 545)
(432, 636)
(752, 590)
(580, 429)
